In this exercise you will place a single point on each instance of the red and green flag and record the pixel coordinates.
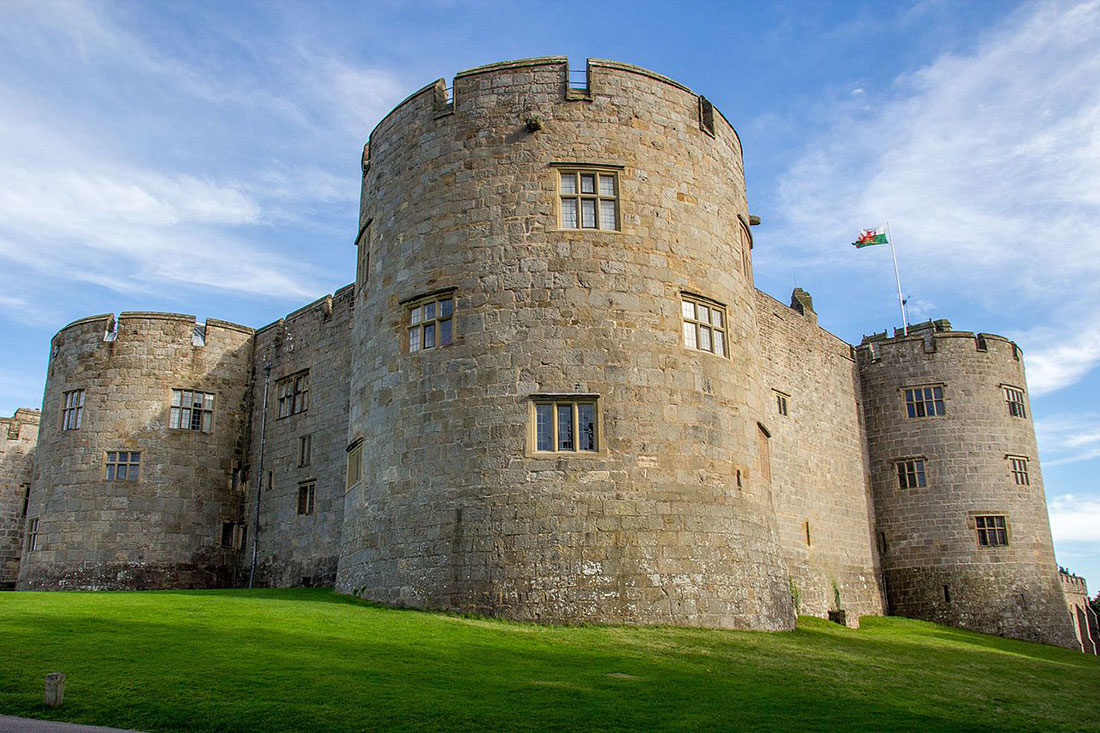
(871, 237)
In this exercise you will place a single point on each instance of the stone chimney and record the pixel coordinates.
(802, 302)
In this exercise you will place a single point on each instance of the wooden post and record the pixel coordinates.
(55, 689)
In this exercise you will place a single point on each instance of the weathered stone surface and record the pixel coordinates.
(934, 567)
(162, 530)
(18, 437)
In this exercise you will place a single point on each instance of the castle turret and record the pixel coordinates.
(18, 436)
(141, 431)
(555, 393)
(963, 529)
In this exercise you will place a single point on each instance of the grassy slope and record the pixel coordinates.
(309, 659)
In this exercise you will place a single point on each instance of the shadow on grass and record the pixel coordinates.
(282, 660)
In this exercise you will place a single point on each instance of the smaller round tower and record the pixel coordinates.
(962, 520)
(141, 430)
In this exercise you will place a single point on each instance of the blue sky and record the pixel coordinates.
(204, 158)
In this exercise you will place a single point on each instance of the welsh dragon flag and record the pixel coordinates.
(870, 237)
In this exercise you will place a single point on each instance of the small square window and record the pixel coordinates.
(911, 473)
(430, 322)
(565, 425)
(191, 410)
(292, 394)
(992, 530)
(589, 200)
(123, 465)
(306, 496)
(924, 401)
(1014, 398)
(704, 325)
(72, 409)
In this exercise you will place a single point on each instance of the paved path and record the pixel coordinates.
(9, 724)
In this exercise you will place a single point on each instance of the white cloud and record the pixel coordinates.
(988, 167)
(1068, 438)
(1075, 519)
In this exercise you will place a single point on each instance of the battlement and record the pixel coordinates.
(930, 337)
(538, 81)
(327, 304)
(106, 329)
(11, 428)
(1072, 583)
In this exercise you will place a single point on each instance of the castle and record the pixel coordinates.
(552, 393)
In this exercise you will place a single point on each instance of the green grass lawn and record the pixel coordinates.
(312, 660)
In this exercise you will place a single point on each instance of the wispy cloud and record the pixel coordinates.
(1075, 519)
(1068, 438)
(140, 166)
(988, 166)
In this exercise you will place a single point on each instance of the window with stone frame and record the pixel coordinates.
(32, 534)
(72, 409)
(911, 473)
(233, 535)
(305, 450)
(924, 401)
(26, 490)
(292, 394)
(1017, 466)
(992, 530)
(191, 410)
(565, 424)
(1014, 398)
(704, 325)
(782, 403)
(355, 463)
(123, 465)
(429, 322)
(306, 496)
(588, 199)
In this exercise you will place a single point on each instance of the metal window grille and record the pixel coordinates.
(924, 401)
(992, 530)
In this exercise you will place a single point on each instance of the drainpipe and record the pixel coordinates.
(260, 480)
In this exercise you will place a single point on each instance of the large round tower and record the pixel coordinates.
(963, 529)
(140, 434)
(555, 408)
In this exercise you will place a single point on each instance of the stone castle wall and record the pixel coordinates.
(819, 464)
(18, 437)
(162, 530)
(934, 567)
(456, 509)
(1085, 624)
(299, 545)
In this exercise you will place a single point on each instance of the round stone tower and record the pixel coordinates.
(139, 437)
(555, 409)
(963, 529)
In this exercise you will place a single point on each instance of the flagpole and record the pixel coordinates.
(901, 298)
